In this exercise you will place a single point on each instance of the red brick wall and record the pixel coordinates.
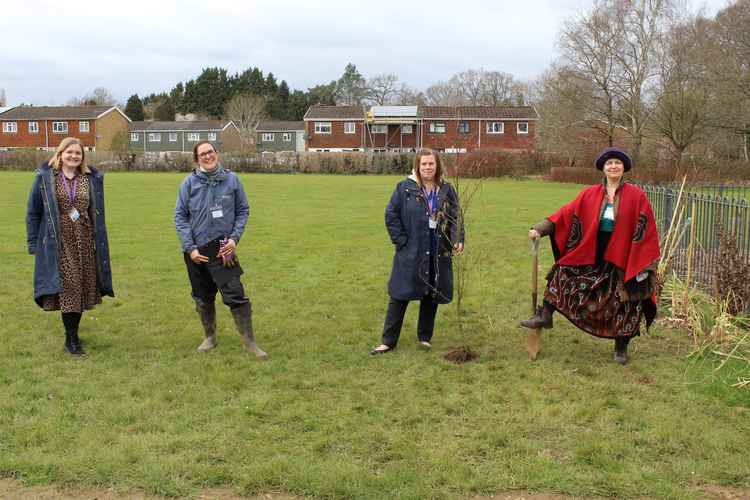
(337, 138)
(393, 138)
(23, 139)
(478, 136)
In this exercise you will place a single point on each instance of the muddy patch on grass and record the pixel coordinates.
(460, 355)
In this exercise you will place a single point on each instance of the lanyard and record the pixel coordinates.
(71, 191)
(431, 199)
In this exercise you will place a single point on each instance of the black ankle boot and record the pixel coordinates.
(73, 343)
(542, 318)
(621, 350)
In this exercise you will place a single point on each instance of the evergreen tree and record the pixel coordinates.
(208, 93)
(165, 111)
(177, 95)
(351, 88)
(134, 108)
(322, 94)
(297, 106)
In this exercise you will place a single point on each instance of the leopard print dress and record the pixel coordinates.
(77, 260)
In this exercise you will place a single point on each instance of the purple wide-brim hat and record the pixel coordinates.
(613, 153)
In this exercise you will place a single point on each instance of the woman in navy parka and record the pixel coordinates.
(67, 234)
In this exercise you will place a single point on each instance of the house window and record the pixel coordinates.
(10, 127)
(83, 127)
(379, 129)
(134, 137)
(172, 137)
(268, 137)
(349, 127)
(522, 128)
(495, 127)
(437, 127)
(33, 127)
(212, 136)
(407, 129)
(154, 137)
(322, 127)
(193, 136)
(287, 137)
(463, 127)
(59, 127)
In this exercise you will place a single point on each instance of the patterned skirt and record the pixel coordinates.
(588, 296)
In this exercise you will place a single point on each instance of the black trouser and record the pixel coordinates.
(71, 320)
(211, 277)
(394, 318)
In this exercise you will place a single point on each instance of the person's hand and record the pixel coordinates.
(227, 249)
(534, 234)
(196, 257)
(458, 249)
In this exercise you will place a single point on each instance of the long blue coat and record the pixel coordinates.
(407, 222)
(43, 233)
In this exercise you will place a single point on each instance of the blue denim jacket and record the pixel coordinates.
(200, 198)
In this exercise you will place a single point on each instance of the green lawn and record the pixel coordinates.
(321, 418)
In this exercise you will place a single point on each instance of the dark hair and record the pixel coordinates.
(199, 144)
(438, 165)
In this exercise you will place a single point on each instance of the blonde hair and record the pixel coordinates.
(438, 165)
(56, 161)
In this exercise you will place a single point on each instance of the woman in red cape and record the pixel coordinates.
(606, 250)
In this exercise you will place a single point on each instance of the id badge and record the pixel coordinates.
(74, 215)
(609, 213)
(433, 223)
(217, 212)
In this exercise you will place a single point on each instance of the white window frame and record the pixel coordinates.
(154, 137)
(518, 128)
(212, 136)
(173, 137)
(323, 128)
(194, 136)
(379, 129)
(268, 137)
(350, 128)
(59, 127)
(407, 129)
(437, 127)
(10, 127)
(492, 127)
(468, 127)
(135, 137)
(84, 127)
(33, 127)
(286, 137)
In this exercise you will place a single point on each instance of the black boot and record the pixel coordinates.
(243, 318)
(621, 350)
(72, 342)
(542, 318)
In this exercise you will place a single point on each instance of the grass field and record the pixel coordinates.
(321, 418)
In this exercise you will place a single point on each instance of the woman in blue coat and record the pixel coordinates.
(67, 234)
(424, 222)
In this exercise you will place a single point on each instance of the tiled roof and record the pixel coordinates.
(479, 112)
(210, 125)
(54, 112)
(279, 126)
(319, 112)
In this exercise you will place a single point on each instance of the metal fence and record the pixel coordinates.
(710, 214)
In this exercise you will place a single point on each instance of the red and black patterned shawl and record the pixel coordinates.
(634, 244)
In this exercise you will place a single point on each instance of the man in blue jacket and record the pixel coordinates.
(210, 217)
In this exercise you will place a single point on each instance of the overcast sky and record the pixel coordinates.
(54, 50)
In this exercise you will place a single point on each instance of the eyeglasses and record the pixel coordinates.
(206, 154)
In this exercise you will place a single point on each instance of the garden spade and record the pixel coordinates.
(534, 338)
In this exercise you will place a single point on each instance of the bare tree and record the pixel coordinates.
(246, 110)
(2, 98)
(100, 96)
(588, 48)
(498, 88)
(408, 96)
(683, 111)
(444, 94)
(382, 89)
(469, 85)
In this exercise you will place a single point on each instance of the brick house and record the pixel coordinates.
(407, 128)
(43, 127)
(175, 137)
(280, 136)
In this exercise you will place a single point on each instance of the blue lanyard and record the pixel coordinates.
(431, 198)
